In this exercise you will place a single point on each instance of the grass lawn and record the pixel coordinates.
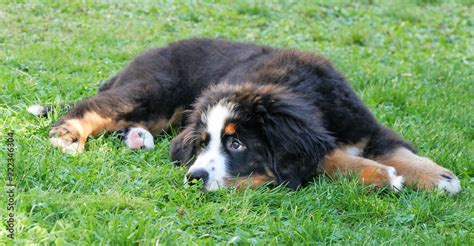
(411, 62)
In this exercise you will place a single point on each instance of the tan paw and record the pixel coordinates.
(382, 176)
(67, 136)
(444, 181)
(396, 182)
(422, 172)
(426, 174)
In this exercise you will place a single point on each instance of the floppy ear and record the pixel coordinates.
(182, 147)
(296, 138)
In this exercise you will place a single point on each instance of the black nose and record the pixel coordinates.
(198, 174)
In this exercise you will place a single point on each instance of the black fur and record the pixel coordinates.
(282, 130)
(296, 105)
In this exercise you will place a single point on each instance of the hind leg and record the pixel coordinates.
(136, 138)
(112, 110)
(71, 132)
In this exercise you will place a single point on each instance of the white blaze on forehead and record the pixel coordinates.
(216, 118)
(212, 158)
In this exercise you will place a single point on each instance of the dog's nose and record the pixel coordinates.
(198, 174)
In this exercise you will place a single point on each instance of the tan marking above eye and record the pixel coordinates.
(230, 129)
(203, 136)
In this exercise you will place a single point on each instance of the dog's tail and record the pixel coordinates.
(44, 110)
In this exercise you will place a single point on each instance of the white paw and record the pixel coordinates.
(36, 110)
(65, 146)
(396, 182)
(139, 138)
(449, 184)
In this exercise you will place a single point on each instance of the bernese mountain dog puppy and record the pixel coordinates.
(249, 115)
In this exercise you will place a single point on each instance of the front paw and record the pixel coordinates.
(421, 172)
(435, 177)
(396, 182)
(67, 136)
(448, 182)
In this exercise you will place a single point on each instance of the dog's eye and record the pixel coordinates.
(234, 144)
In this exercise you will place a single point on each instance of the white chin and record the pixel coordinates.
(212, 186)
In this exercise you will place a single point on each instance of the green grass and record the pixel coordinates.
(411, 62)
